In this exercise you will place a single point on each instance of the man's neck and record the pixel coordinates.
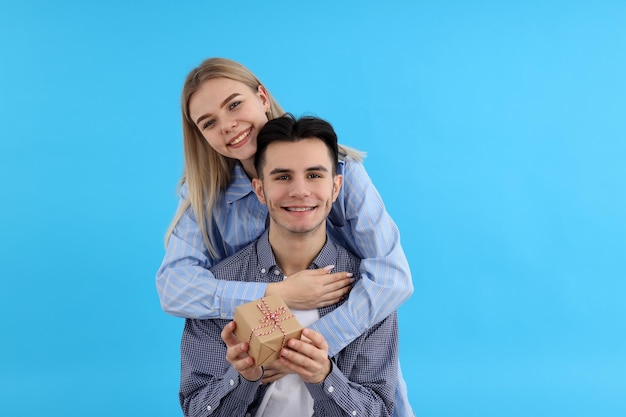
(296, 252)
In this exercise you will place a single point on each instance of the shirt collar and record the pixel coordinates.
(267, 261)
(240, 185)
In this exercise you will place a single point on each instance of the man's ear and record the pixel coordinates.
(257, 184)
(337, 183)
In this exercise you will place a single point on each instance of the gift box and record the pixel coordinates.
(266, 324)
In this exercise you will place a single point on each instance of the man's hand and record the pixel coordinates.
(275, 371)
(308, 357)
(237, 354)
(312, 288)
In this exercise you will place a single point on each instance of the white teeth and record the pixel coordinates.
(300, 208)
(240, 138)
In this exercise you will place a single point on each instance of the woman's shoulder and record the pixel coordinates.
(350, 167)
(183, 188)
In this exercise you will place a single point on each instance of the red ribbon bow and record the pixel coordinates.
(271, 318)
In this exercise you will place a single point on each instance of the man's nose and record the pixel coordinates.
(299, 188)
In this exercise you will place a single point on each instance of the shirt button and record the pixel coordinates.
(208, 408)
(224, 315)
(331, 389)
(276, 272)
(262, 270)
(354, 413)
(232, 382)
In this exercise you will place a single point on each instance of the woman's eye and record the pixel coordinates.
(234, 104)
(208, 124)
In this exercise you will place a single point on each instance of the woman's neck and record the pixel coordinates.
(248, 167)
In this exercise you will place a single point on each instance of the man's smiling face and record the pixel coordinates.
(298, 185)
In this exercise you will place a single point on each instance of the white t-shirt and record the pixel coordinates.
(288, 396)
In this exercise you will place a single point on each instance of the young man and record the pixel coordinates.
(296, 162)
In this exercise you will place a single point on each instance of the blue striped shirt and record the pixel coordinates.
(358, 221)
(363, 377)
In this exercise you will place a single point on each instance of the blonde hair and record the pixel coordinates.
(206, 172)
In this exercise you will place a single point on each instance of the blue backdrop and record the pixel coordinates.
(495, 132)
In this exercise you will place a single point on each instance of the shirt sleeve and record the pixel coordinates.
(370, 233)
(209, 385)
(367, 384)
(185, 285)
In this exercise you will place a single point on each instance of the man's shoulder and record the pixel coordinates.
(346, 260)
(234, 267)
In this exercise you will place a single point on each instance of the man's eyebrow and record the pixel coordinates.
(317, 168)
(229, 98)
(309, 169)
(280, 171)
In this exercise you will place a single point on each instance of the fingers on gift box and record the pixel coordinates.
(266, 324)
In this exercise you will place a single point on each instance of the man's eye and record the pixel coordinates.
(315, 176)
(282, 178)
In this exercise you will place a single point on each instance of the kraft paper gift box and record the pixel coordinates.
(266, 324)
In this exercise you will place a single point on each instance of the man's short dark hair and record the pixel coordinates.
(289, 129)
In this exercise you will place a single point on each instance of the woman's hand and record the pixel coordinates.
(312, 288)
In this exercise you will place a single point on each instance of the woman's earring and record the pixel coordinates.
(269, 114)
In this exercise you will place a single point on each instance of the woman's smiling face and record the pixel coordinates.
(229, 115)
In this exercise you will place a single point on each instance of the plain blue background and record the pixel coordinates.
(496, 133)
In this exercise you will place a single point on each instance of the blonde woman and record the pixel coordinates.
(223, 108)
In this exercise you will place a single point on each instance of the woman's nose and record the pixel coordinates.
(228, 125)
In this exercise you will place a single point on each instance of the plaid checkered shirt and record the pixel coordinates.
(363, 378)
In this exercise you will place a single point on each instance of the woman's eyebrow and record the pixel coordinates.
(229, 98)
